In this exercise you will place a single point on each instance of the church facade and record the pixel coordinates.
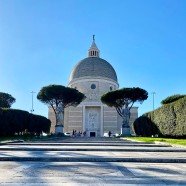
(93, 76)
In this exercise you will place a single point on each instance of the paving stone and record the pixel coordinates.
(101, 168)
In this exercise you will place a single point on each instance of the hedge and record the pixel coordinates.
(38, 124)
(168, 120)
(171, 99)
(13, 121)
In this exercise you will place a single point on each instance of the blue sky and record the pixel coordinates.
(41, 41)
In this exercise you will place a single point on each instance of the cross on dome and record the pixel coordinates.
(93, 51)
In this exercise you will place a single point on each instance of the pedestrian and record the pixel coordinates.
(75, 134)
(84, 133)
(109, 133)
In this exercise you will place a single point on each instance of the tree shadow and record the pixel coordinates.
(160, 170)
(84, 172)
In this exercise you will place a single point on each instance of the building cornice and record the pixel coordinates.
(90, 78)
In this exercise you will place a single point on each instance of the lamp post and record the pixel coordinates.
(32, 110)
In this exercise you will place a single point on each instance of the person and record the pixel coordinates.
(109, 133)
(84, 133)
(73, 133)
(79, 134)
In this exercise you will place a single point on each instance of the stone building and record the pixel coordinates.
(93, 76)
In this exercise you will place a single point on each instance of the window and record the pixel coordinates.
(93, 86)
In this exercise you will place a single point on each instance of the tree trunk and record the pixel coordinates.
(60, 115)
(59, 119)
(125, 130)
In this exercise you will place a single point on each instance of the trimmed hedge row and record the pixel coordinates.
(171, 99)
(168, 120)
(13, 121)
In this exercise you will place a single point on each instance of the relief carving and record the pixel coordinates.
(92, 120)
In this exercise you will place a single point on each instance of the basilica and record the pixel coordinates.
(93, 76)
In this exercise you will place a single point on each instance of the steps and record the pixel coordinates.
(91, 161)
(91, 150)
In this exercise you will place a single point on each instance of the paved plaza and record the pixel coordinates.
(91, 161)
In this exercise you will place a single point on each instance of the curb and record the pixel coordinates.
(95, 149)
(156, 142)
(11, 142)
(71, 159)
(172, 145)
(90, 144)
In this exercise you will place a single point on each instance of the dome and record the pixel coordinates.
(93, 67)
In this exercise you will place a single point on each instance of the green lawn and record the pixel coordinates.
(166, 140)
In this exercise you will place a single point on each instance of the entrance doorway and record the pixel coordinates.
(93, 120)
(92, 134)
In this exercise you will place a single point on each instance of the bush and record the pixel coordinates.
(143, 126)
(4, 125)
(19, 122)
(38, 124)
(170, 120)
(171, 99)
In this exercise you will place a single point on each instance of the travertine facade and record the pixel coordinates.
(93, 76)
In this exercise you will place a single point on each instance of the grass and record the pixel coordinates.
(165, 140)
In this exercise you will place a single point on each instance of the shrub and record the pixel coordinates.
(171, 99)
(4, 126)
(170, 120)
(38, 124)
(143, 126)
(17, 120)
(14, 121)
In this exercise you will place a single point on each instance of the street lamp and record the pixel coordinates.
(153, 93)
(32, 110)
